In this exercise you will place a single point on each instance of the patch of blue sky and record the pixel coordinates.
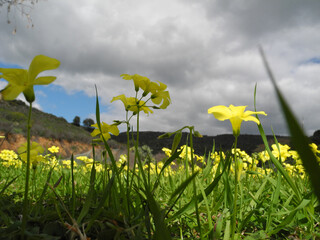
(314, 60)
(55, 100)
(8, 65)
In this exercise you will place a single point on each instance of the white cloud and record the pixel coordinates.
(205, 51)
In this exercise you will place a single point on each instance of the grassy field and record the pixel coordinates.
(272, 194)
(90, 198)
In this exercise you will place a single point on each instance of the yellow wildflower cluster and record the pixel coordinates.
(10, 158)
(53, 149)
(257, 162)
(156, 168)
(290, 159)
(185, 153)
(86, 163)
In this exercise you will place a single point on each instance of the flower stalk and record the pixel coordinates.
(26, 188)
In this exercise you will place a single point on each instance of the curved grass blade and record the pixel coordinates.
(90, 196)
(274, 160)
(183, 185)
(8, 184)
(287, 220)
(199, 197)
(105, 194)
(299, 140)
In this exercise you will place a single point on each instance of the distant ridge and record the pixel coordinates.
(13, 117)
(246, 142)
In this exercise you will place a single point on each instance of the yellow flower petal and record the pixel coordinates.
(41, 63)
(236, 114)
(21, 80)
(220, 112)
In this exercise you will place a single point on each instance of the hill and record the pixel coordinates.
(248, 143)
(49, 130)
(13, 119)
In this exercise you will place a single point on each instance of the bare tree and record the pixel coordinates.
(22, 7)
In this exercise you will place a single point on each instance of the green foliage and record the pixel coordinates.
(88, 122)
(76, 121)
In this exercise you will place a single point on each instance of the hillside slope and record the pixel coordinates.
(47, 129)
(13, 119)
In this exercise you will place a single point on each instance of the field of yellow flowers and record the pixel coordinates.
(273, 194)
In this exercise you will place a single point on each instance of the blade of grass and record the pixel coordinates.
(287, 220)
(8, 184)
(98, 210)
(274, 160)
(183, 186)
(299, 139)
(90, 196)
(274, 202)
(165, 165)
(73, 194)
(206, 202)
(199, 197)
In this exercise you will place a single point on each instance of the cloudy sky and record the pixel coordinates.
(205, 51)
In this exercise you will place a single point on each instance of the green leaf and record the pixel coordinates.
(183, 185)
(199, 198)
(105, 194)
(287, 220)
(8, 184)
(176, 141)
(90, 196)
(298, 138)
(274, 160)
(161, 230)
(166, 135)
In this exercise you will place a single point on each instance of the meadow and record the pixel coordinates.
(272, 194)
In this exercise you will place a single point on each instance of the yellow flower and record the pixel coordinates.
(264, 156)
(158, 93)
(157, 89)
(132, 104)
(53, 149)
(139, 81)
(167, 151)
(284, 151)
(161, 97)
(123, 158)
(35, 149)
(314, 148)
(106, 129)
(21, 80)
(236, 114)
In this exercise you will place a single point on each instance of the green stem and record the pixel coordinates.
(235, 198)
(26, 188)
(137, 139)
(128, 164)
(194, 182)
